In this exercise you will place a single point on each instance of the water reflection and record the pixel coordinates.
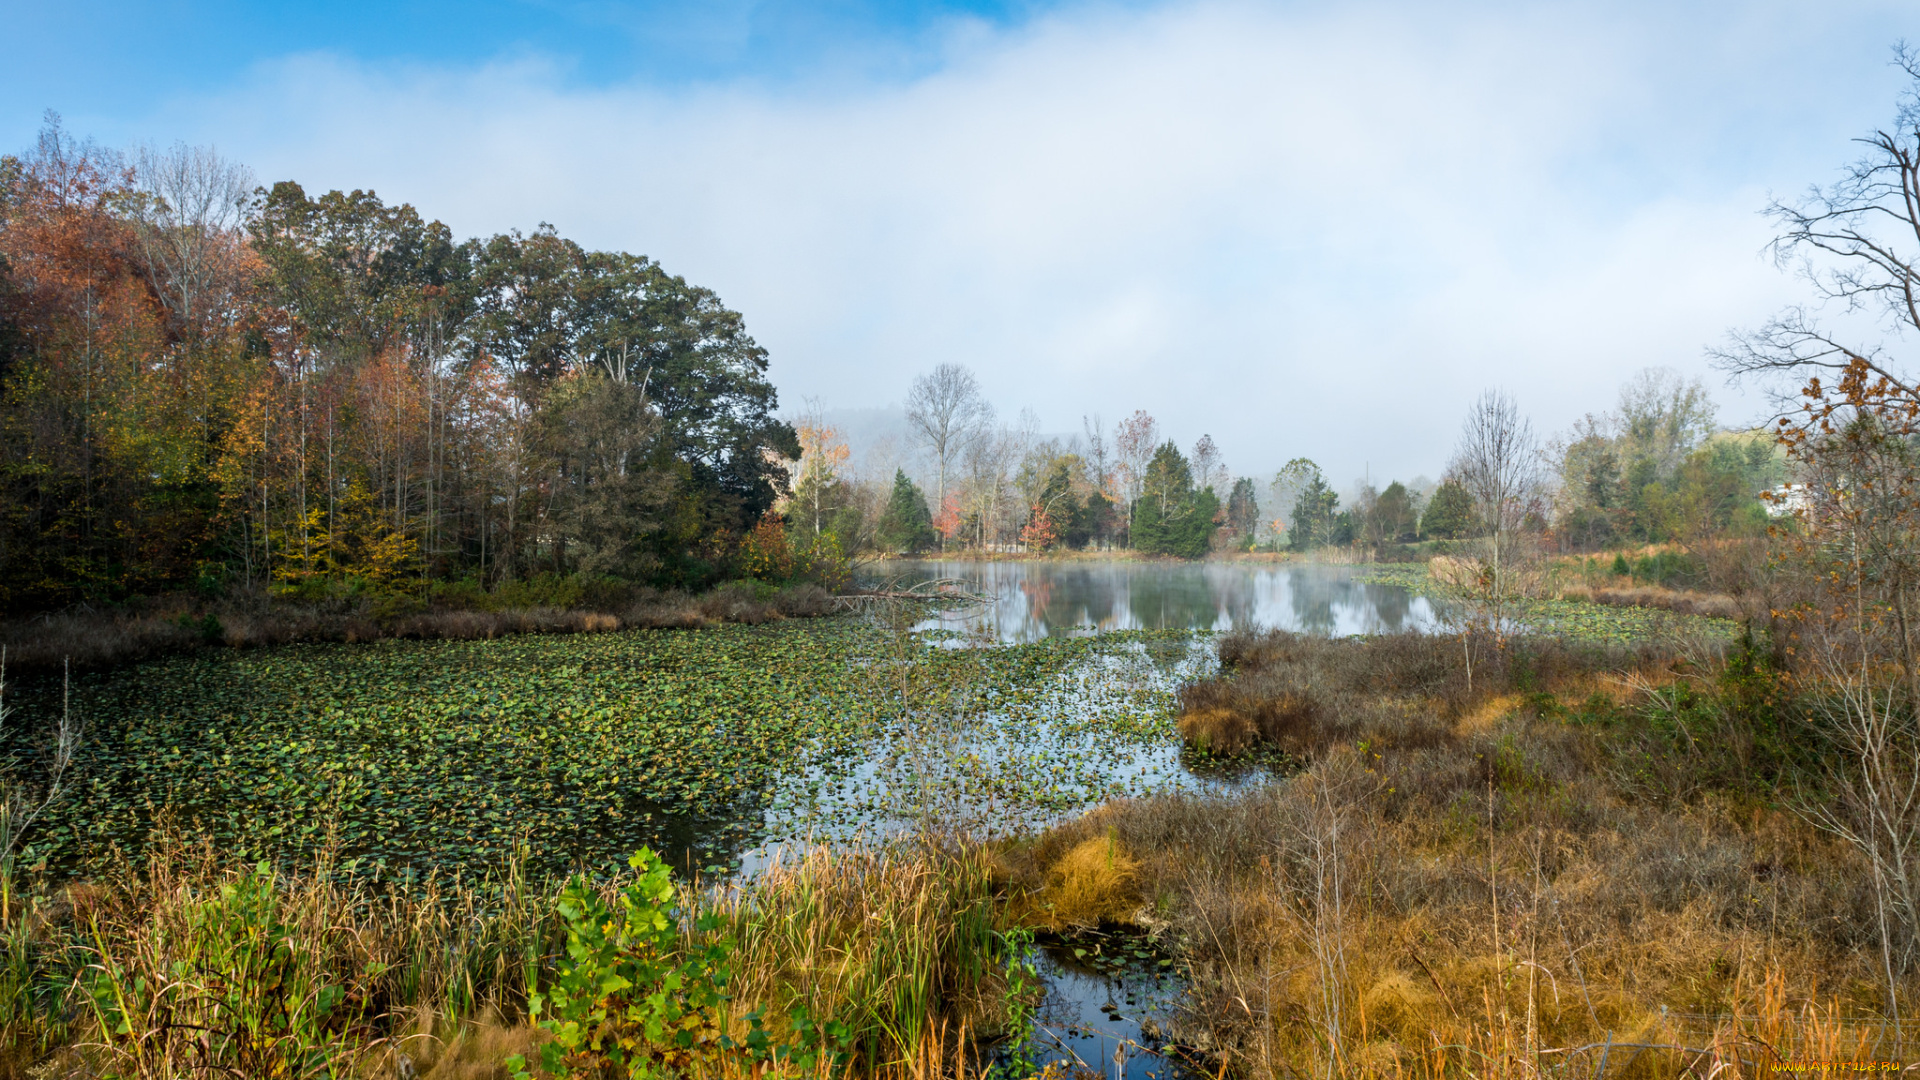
(1037, 599)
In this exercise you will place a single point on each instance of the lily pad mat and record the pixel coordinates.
(418, 756)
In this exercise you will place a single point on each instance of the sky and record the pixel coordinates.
(1306, 229)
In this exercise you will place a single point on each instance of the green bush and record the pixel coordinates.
(631, 999)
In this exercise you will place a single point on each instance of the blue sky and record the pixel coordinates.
(1303, 228)
(90, 55)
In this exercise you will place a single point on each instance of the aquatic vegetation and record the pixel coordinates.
(1577, 619)
(422, 756)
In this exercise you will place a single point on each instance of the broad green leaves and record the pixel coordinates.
(444, 756)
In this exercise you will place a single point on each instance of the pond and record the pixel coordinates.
(705, 744)
(1033, 600)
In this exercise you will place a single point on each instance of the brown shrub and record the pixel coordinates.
(1217, 730)
(736, 602)
(1676, 600)
(92, 639)
(1305, 694)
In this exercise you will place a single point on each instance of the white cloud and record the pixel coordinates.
(1304, 231)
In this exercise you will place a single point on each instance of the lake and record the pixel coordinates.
(1040, 599)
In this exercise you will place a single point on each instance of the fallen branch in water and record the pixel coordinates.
(947, 590)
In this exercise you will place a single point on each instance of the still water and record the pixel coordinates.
(1034, 600)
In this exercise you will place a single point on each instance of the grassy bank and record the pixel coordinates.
(1587, 864)
(873, 961)
(457, 611)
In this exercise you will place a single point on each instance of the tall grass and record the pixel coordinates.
(898, 945)
(1581, 867)
(188, 965)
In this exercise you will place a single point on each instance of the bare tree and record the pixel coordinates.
(1134, 442)
(1498, 462)
(1857, 242)
(1207, 466)
(1099, 467)
(190, 218)
(948, 415)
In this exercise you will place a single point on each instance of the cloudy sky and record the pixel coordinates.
(1306, 229)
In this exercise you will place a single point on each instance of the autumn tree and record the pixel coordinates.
(1855, 523)
(204, 382)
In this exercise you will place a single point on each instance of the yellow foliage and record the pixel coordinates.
(1095, 881)
(1217, 730)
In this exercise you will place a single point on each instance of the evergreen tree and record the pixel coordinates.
(906, 526)
(1313, 515)
(1450, 515)
(1243, 513)
(1171, 518)
(1392, 517)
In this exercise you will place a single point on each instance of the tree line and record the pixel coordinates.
(1653, 470)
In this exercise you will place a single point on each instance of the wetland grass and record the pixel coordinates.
(1581, 868)
(888, 961)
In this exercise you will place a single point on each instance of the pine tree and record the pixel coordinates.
(906, 526)
(1450, 516)
(1171, 518)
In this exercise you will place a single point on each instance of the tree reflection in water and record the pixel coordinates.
(1038, 599)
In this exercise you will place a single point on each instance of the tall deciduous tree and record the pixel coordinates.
(949, 416)
(1135, 441)
(199, 381)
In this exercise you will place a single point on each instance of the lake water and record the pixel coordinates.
(1038, 599)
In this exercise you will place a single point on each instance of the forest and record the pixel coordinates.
(208, 384)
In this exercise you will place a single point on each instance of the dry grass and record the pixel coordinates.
(1303, 694)
(1095, 881)
(1470, 885)
(1680, 601)
(93, 639)
(187, 965)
